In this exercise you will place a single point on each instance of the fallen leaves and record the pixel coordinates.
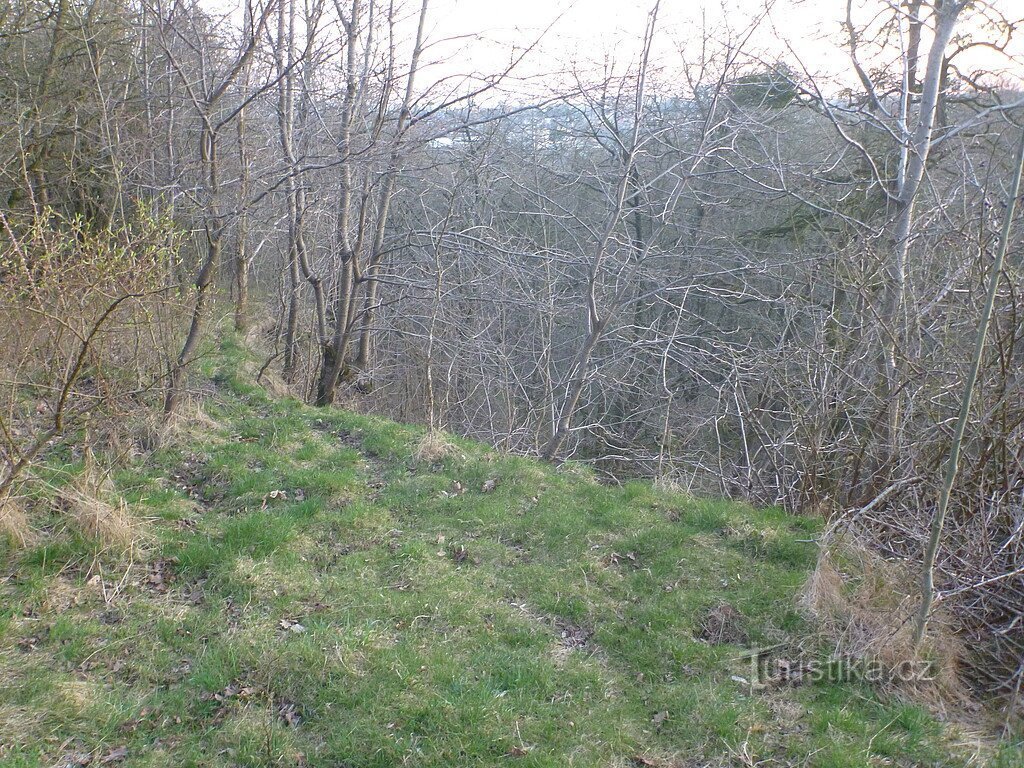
(614, 558)
(160, 574)
(80, 758)
(74, 759)
(573, 636)
(280, 494)
(288, 711)
(114, 756)
(457, 488)
(30, 643)
(232, 690)
(290, 625)
(110, 617)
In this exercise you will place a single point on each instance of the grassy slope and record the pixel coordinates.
(440, 629)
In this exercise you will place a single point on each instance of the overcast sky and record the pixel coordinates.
(595, 30)
(586, 31)
(482, 36)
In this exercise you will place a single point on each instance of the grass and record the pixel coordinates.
(317, 588)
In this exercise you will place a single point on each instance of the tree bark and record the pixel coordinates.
(918, 147)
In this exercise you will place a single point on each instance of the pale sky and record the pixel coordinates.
(594, 30)
(481, 36)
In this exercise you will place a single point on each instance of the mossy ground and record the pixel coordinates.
(309, 594)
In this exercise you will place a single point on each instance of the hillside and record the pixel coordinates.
(313, 587)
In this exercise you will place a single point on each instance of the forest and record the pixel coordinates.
(701, 260)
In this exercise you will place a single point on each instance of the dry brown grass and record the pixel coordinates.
(95, 508)
(432, 447)
(14, 523)
(187, 424)
(96, 518)
(274, 384)
(259, 339)
(261, 329)
(864, 605)
(15, 717)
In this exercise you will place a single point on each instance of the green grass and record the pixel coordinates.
(552, 621)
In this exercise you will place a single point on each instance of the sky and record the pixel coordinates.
(575, 32)
(572, 32)
(483, 36)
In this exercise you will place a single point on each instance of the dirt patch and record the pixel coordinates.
(723, 625)
(340, 434)
(519, 553)
(570, 635)
(627, 559)
(193, 479)
(573, 636)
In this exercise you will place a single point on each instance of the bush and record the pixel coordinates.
(83, 317)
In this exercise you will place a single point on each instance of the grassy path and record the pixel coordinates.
(309, 593)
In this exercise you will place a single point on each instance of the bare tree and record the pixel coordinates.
(206, 96)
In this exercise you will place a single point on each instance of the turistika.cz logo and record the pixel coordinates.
(768, 667)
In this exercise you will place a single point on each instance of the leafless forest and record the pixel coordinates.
(708, 267)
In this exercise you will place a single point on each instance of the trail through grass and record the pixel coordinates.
(310, 594)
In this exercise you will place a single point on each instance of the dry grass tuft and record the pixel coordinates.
(80, 694)
(259, 339)
(15, 717)
(433, 447)
(668, 484)
(864, 606)
(123, 436)
(822, 594)
(99, 519)
(187, 424)
(14, 523)
(261, 330)
(95, 508)
(190, 419)
(275, 385)
(692, 484)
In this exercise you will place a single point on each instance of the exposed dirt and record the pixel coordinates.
(724, 625)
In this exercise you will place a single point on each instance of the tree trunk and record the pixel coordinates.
(207, 272)
(242, 255)
(918, 147)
